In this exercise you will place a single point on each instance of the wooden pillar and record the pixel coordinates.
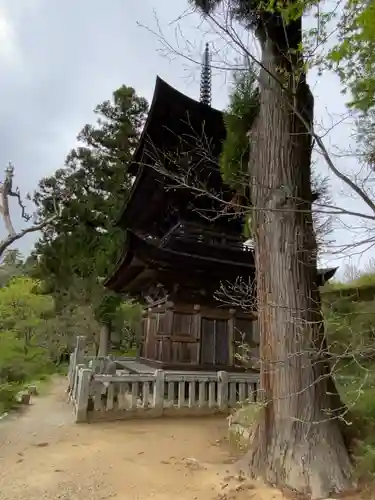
(231, 328)
(222, 390)
(150, 334)
(169, 318)
(141, 334)
(197, 318)
(169, 306)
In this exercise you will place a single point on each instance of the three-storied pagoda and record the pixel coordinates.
(182, 241)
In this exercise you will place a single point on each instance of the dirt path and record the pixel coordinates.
(44, 455)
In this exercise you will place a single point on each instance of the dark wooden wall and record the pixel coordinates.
(182, 334)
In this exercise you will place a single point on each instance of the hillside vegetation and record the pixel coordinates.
(349, 312)
(37, 334)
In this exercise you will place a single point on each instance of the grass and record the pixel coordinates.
(358, 392)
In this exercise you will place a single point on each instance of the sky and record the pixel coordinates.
(58, 60)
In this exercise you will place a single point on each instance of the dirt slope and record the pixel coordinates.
(44, 455)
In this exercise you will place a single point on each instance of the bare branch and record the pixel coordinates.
(227, 30)
(6, 192)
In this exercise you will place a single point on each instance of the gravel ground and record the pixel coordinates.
(44, 455)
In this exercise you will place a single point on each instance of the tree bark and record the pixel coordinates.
(297, 443)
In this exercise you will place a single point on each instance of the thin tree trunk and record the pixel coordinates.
(297, 443)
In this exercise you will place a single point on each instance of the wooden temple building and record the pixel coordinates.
(182, 242)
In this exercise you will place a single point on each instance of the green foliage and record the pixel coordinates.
(354, 55)
(365, 279)
(23, 355)
(239, 118)
(257, 14)
(353, 58)
(18, 366)
(94, 185)
(22, 308)
(125, 324)
(351, 325)
(358, 392)
(349, 312)
(84, 245)
(11, 266)
(241, 10)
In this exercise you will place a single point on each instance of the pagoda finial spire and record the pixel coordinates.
(205, 96)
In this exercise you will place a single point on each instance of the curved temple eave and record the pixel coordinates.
(165, 99)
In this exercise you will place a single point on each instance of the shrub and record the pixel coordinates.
(18, 366)
(8, 393)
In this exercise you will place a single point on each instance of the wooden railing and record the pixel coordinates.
(79, 360)
(99, 392)
(114, 397)
(186, 233)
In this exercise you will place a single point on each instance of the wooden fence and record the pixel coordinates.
(98, 392)
(163, 393)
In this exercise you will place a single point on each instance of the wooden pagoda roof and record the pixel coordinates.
(175, 124)
(144, 260)
(173, 115)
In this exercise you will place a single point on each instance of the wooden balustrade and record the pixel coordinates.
(98, 392)
(113, 397)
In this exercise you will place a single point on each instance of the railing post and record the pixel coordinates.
(159, 391)
(70, 371)
(222, 390)
(77, 357)
(84, 378)
(73, 392)
(80, 349)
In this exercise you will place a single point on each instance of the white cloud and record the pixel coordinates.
(9, 51)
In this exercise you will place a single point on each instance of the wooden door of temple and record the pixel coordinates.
(214, 342)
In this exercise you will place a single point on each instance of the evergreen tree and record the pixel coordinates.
(83, 245)
(239, 118)
(84, 241)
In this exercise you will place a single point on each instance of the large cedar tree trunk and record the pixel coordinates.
(297, 443)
